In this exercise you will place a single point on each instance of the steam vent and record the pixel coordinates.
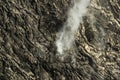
(59, 39)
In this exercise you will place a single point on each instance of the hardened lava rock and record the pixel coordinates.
(29, 29)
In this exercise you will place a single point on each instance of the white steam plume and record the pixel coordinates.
(75, 14)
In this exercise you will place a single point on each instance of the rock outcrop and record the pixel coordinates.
(28, 31)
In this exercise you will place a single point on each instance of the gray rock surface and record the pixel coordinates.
(28, 30)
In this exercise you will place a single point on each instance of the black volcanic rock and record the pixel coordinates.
(28, 31)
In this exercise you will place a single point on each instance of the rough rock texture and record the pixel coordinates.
(28, 30)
